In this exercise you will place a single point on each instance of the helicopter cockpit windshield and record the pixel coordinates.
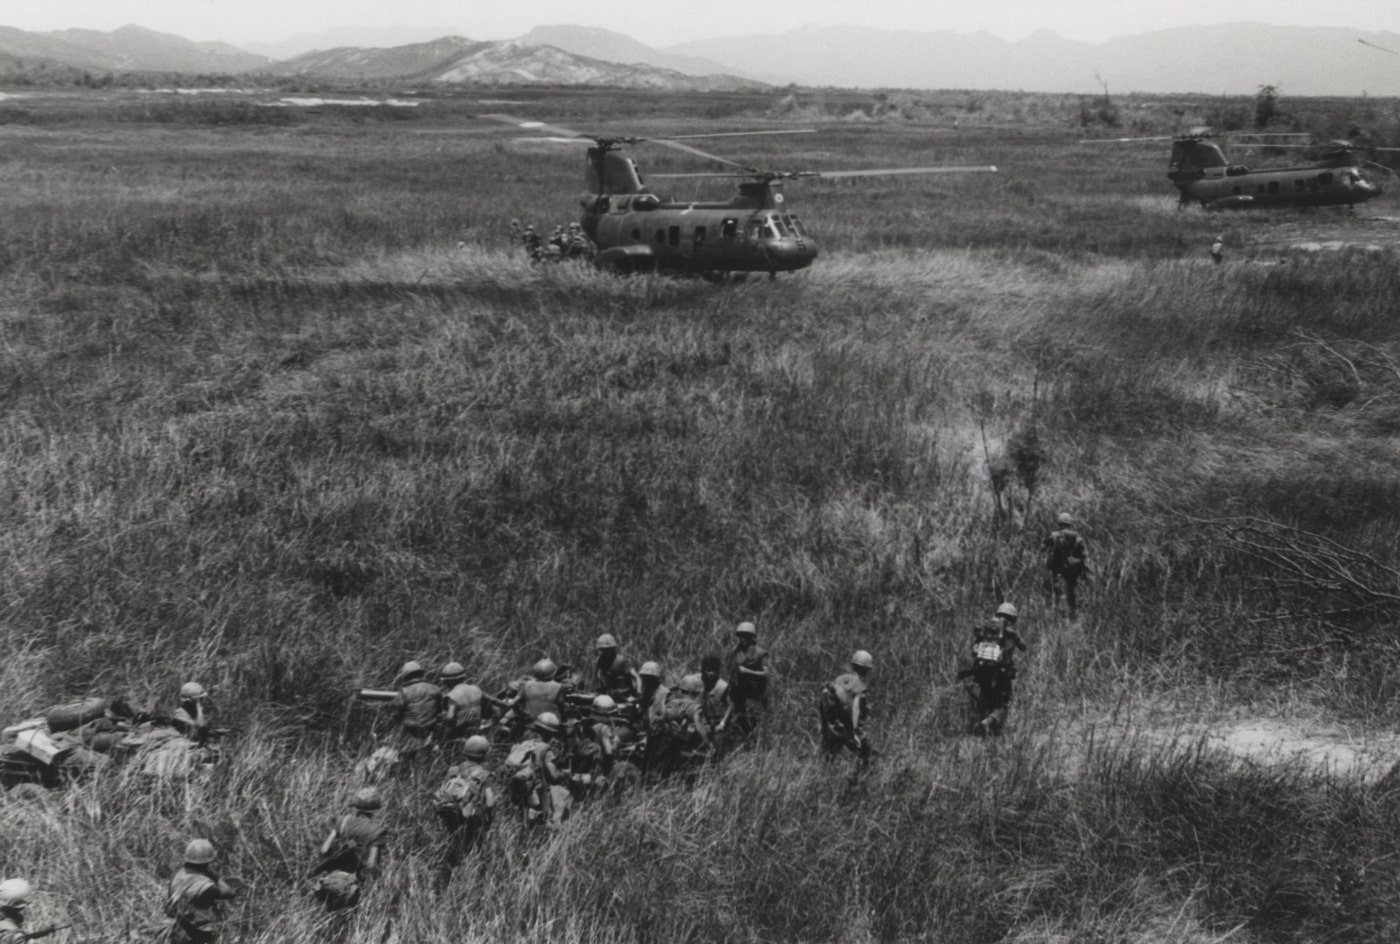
(775, 226)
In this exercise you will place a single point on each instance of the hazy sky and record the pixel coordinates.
(663, 22)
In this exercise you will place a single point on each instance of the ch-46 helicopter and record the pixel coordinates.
(1201, 173)
(636, 229)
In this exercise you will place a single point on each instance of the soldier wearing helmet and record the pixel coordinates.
(192, 718)
(748, 681)
(842, 710)
(465, 804)
(539, 692)
(613, 672)
(351, 852)
(540, 775)
(465, 705)
(988, 676)
(1000, 630)
(418, 709)
(195, 902)
(1065, 555)
(682, 736)
(14, 903)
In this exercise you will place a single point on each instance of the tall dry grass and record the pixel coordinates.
(266, 424)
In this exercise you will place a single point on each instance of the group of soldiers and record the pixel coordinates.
(557, 736)
(566, 242)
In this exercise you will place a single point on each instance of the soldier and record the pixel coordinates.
(654, 694)
(533, 248)
(715, 695)
(1005, 620)
(464, 704)
(842, 709)
(1217, 249)
(351, 852)
(682, 737)
(195, 903)
(14, 905)
(417, 707)
(192, 717)
(1064, 559)
(613, 672)
(540, 692)
(539, 773)
(465, 805)
(989, 677)
(748, 681)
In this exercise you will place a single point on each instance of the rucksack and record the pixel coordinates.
(461, 799)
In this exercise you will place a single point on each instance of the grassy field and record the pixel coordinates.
(282, 408)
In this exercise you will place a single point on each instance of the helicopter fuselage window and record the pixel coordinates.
(1324, 179)
(699, 237)
(661, 236)
(795, 226)
(636, 235)
(729, 228)
(777, 223)
(1273, 186)
(674, 235)
(1300, 185)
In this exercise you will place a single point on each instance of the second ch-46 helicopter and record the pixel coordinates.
(1202, 175)
(636, 229)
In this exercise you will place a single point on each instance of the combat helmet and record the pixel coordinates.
(199, 852)
(476, 748)
(14, 893)
(548, 721)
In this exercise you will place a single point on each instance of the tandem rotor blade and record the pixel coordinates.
(895, 171)
(833, 174)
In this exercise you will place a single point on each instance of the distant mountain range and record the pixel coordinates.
(129, 49)
(511, 62)
(1232, 59)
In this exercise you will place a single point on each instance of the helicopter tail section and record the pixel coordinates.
(1192, 157)
(611, 171)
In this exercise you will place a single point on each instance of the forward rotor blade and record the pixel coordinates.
(1165, 137)
(831, 174)
(737, 134)
(526, 125)
(676, 145)
(899, 171)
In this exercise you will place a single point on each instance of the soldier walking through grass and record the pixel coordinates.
(1064, 559)
(351, 853)
(748, 683)
(195, 903)
(990, 675)
(540, 777)
(842, 710)
(465, 804)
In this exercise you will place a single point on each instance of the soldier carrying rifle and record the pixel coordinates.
(14, 903)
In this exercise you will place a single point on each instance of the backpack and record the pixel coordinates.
(459, 800)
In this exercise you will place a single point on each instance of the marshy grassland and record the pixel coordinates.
(281, 407)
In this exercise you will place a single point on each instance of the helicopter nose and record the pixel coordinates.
(788, 254)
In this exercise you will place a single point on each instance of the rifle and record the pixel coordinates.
(44, 932)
